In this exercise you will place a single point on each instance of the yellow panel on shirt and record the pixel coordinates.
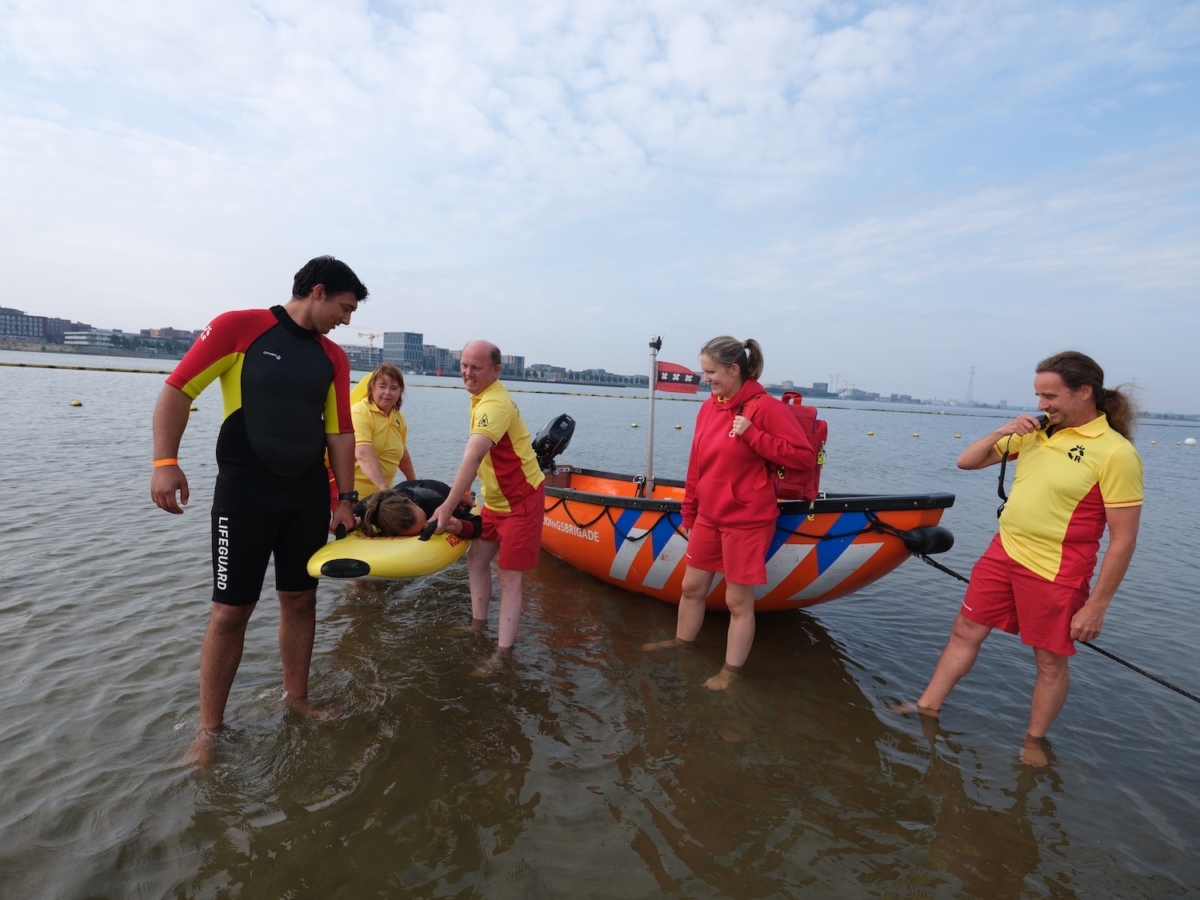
(388, 437)
(1055, 515)
(510, 470)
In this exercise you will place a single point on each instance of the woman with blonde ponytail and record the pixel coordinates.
(729, 503)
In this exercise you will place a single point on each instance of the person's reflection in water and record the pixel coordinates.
(774, 786)
(991, 851)
(425, 783)
(792, 783)
(477, 752)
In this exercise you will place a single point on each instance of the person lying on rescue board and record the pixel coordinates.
(404, 511)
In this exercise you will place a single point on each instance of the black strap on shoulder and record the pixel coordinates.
(1000, 484)
(742, 406)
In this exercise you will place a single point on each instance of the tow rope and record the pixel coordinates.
(878, 526)
(1087, 644)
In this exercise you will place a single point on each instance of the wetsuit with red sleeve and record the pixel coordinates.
(284, 389)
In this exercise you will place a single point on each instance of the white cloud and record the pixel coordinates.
(1131, 222)
(622, 157)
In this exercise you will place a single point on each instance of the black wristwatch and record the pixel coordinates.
(352, 496)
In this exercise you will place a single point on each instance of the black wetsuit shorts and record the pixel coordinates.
(286, 389)
(248, 530)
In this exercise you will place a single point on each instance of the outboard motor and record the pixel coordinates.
(552, 440)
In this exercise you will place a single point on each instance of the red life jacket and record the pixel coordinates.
(793, 484)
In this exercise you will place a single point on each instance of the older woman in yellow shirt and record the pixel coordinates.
(380, 433)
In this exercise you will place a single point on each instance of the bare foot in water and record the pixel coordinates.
(307, 708)
(664, 645)
(200, 754)
(723, 679)
(476, 626)
(1033, 752)
(493, 664)
(904, 709)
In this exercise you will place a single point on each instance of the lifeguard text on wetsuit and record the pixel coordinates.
(222, 552)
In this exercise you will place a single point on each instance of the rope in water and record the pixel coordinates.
(1087, 644)
(879, 526)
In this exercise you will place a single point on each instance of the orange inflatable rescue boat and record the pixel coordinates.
(626, 530)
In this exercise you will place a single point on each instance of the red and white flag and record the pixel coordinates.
(680, 379)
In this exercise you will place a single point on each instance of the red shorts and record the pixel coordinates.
(739, 553)
(519, 532)
(1004, 594)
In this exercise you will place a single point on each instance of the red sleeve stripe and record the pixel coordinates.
(227, 335)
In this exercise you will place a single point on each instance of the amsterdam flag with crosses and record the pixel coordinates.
(680, 379)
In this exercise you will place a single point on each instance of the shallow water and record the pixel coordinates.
(590, 767)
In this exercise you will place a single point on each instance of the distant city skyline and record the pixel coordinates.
(170, 339)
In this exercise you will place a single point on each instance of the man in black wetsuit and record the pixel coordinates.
(286, 389)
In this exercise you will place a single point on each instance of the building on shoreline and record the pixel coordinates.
(361, 358)
(20, 327)
(153, 341)
(405, 350)
(818, 391)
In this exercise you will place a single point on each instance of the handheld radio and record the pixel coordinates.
(1043, 422)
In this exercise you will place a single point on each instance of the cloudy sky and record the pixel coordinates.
(886, 193)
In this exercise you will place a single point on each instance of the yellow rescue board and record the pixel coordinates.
(355, 556)
(359, 392)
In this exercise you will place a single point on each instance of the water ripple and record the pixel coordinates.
(587, 767)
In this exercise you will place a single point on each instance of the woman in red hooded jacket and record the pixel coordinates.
(729, 504)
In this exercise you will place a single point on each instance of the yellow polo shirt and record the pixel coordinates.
(510, 469)
(388, 437)
(1055, 515)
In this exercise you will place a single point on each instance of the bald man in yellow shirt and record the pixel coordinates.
(500, 452)
(1076, 476)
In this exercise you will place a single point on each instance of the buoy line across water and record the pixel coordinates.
(517, 390)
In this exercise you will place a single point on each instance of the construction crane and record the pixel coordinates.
(370, 336)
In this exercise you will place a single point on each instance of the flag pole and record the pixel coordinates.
(655, 346)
